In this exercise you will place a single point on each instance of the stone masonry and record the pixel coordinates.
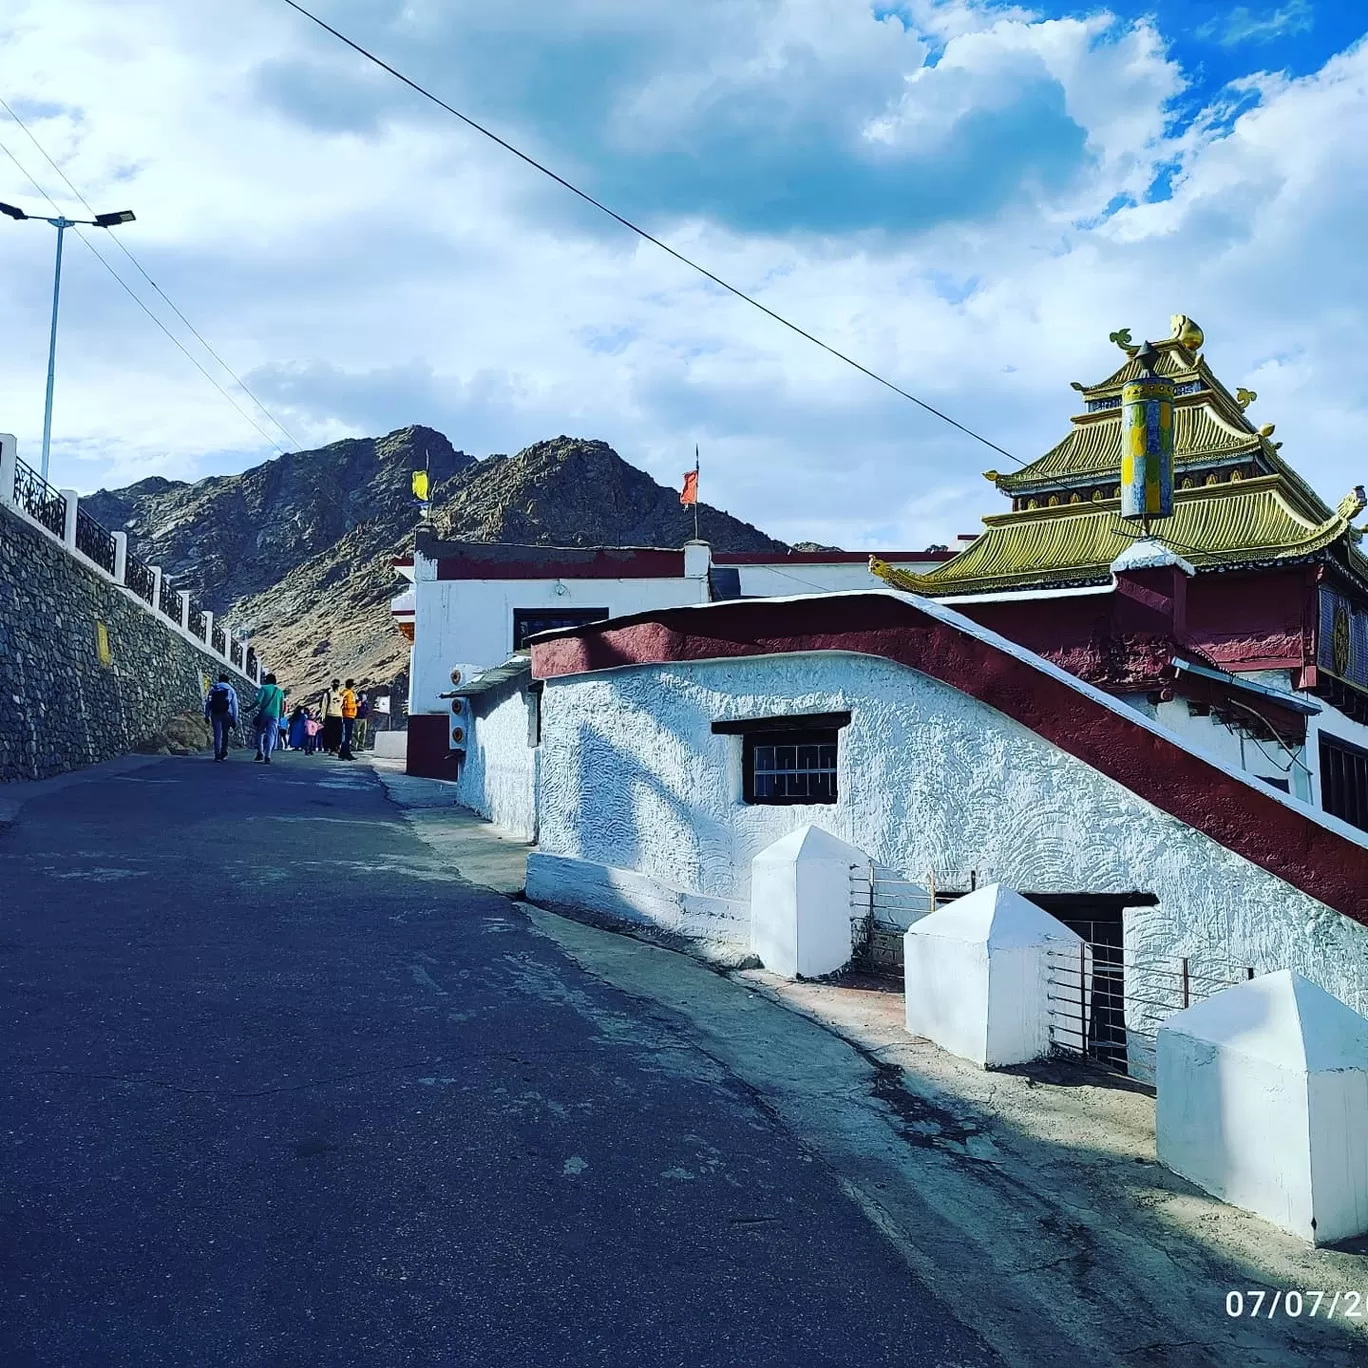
(61, 705)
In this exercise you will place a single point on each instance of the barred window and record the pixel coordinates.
(527, 622)
(790, 766)
(1344, 780)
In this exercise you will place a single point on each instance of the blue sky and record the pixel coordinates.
(966, 196)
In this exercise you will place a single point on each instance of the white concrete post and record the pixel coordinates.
(120, 557)
(184, 596)
(697, 564)
(156, 587)
(800, 903)
(208, 628)
(1262, 1100)
(69, 531)
(9, 456)
(976, 976)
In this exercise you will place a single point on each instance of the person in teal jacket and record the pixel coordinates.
(268, 706)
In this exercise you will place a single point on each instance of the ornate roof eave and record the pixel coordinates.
(957, 575)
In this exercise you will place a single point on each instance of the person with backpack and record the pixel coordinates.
(269, 705)
(348, 702)
(332, 717)
(221, 712)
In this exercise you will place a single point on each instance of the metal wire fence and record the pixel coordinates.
(1107, 1003)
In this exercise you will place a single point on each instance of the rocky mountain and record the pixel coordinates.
(300, 549)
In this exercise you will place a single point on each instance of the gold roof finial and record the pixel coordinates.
(992, 475)
(1186, 332)
(1245, 397)
(1122, 338)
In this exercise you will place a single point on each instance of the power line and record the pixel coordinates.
(655, 241)
(642, 233)
(120, 244)
(123, 285)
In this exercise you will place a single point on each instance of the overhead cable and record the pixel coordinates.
(123, 285)
(241, 384)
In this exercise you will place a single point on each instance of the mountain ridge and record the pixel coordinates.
(299, 550)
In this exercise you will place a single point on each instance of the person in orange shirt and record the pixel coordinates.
(348, 720)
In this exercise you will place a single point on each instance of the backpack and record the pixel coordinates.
(219, 704)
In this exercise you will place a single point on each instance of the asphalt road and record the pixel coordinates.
(278, 1088)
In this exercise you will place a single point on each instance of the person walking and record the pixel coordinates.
(269, 705)
(332, 718)
(298, 733)
(348, 720)
(363, 711)
(221, 712)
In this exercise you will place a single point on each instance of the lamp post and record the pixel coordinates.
(61, 224)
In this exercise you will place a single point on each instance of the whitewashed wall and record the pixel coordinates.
(632, 778)
(499, 777)
(469, 623)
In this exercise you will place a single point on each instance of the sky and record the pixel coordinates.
(965, 197)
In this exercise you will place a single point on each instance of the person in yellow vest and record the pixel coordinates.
(348, 704)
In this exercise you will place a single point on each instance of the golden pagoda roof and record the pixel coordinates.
(1236, 501)
(1210, 425)
(1240, 523)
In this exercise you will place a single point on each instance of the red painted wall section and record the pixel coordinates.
(429, 752)
(561, 563)
(1276, 837)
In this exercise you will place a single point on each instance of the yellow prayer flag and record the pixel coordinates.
(420, 484)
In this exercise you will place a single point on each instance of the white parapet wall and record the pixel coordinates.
(1262, 1100)
(498, 777)
(800, 903)
(976, 976)
(716, 925)
(391, 745)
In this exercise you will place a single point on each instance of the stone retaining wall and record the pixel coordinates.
(87, 671)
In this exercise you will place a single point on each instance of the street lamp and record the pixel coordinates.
(61, 224)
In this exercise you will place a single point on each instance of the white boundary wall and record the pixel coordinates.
(633, 779)
(499, 776)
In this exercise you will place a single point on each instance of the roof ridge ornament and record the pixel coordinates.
(1122, 338)
(1245, 397)
(1186, 333)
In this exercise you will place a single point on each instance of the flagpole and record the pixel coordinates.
(696, 537)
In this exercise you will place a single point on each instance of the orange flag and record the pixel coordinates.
(690, 494)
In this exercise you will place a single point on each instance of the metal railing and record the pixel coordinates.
(94, 540)
(1107, 1003)
(33, 496)
(169, 600)
(39, 499)
(884, 903)
(139, 578)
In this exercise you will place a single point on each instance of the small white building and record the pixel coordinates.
(472, 606)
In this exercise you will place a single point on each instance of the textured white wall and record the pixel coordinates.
(633, 778)
(499, 777)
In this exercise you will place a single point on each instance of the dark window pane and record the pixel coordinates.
(791, 767)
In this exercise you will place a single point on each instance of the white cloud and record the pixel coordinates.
(370, 264)
(1244, 25)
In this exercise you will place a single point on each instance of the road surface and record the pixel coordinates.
(278, 1088)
